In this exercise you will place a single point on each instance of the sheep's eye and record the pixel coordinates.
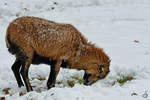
(101, 68)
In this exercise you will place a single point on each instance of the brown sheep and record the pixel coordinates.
(35, 40)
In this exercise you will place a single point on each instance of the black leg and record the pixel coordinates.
(55, 67)
(24, 73)
(16, 70)
(52, 75)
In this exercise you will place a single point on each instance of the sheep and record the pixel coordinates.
(36, 40)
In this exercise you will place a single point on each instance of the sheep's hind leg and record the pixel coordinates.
(16, 70)
(55, 67)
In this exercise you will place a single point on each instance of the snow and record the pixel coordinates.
(114, 25)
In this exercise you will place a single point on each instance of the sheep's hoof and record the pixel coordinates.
(20, 85)
(50, 85)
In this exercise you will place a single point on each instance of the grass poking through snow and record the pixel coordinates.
(122, 80)
(41, 78)
(79, 80)
(72, 81)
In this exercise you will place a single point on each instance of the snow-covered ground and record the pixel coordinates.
(120, 27)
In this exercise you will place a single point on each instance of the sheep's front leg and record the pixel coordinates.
(55, 67)
(24, 73)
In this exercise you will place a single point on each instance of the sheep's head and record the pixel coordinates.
(95, 63)
(95, 72)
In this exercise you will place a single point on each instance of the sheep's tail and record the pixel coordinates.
(12, 47)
